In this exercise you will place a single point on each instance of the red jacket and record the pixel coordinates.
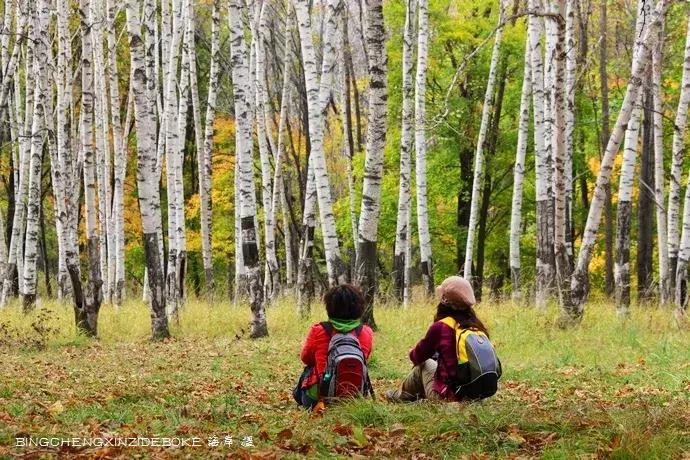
(315, 350)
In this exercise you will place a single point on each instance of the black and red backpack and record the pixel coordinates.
(346, 373)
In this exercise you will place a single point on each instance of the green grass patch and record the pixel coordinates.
(605, 389)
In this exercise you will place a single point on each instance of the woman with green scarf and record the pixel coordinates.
(344, 306)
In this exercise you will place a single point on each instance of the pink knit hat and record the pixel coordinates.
(456, 292)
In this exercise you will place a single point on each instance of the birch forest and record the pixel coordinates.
(405, 229)
(246, 151)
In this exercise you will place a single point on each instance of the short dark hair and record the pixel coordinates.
(344, 302)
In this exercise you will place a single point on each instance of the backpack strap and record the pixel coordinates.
(369, 387)
(328, 327)
(450, 322)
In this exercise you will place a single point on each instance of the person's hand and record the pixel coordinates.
(319, 408)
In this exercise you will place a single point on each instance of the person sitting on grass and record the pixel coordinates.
(455, 360)
(336, 351)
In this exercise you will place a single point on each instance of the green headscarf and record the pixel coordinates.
(344, 325)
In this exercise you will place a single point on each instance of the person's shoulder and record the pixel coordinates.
(366, 329)
(440, 326)
(317, 328)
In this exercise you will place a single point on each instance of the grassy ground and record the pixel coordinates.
(602, 390)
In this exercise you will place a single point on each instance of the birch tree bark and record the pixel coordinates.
(659, 174)
(205, 154)
(572, 311)
(348, 138)
(677, 155)
(12, 62)
(406, 145)
(242, 87)
(427, 267)
(15, 267)
(621, 269)
(278, 198)
(318, 94)
(570, 50)
(179, 149)
(173, 163)
(119, 157)
(373, 163)
(545, 260)
(143, 90)
(102, 155)
(13, 270)
(305, 287)
(519, 175)
(481, 139)
(624, 213)
(41, 107)
(93, 296)
(62, 159)
(559, 114)
(272, 277)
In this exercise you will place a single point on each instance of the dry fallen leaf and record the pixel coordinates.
(284, 434)
(56, 408)
(397, 429)
(343, 430)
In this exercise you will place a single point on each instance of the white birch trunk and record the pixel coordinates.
(519, 175)
(544, 261)
(93, 295)
(11, 63)
(621, 268)
(242, 91)
(558, 109)
(677, 155)
(41, 109)
(278, 184)
(366, 266)
(479, 153)
(15, 258)
(569, 116)
(119, 157)
(426, 262)
(103, 161)
(142, 57)
(305, 288)
(240, 272)
(179, 151)
(171, 148)
(272, 278)
(205, 163)
(406, 145)
(659, 174)
(62, 159)
(317, 97)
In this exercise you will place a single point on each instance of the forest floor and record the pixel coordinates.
(605, 389)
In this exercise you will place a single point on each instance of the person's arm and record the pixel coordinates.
(308, 354)
(367, 341)
(426, 347)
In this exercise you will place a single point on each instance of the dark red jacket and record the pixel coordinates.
(440, 341)
(315, 350)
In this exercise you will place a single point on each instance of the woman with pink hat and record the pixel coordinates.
(455, 360)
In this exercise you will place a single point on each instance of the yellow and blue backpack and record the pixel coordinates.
(478, 365)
